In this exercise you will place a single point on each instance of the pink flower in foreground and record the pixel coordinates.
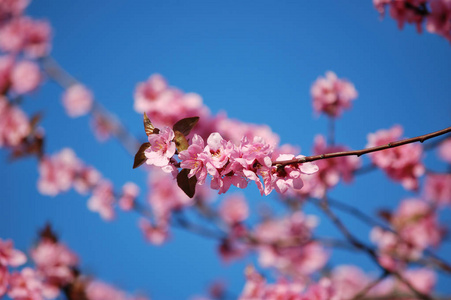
(437, 188)
(444, 150)
(289, 177)
(234, 209)
(439, 19)
(54, 261)
(401, 163)
(102, 200)
(192, 159)
(332, 95)
(25, 285)
(57, 173)
(25, 77)
(10, 256)
(130, 192)
(77, 100)
(14, 124)
(161, 149)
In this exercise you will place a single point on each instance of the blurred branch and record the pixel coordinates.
(65, 80)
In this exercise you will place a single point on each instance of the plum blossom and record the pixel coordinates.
(14, 124)
(26, 285)
(6, 65)
(25, 77)
(192, 159)
(12, 8)
(444, 150)
(130, 192)
(302, 256)
(4, 278)
(332, 95)
(57, 173)
(423, 280)
(439, 19)
(401, 163)
(234, 209)
(86, 179)
(102, 200)
(28, 35)
(10, 256)
(155, 234)
(417, 228)
(98, 290)
(77, 100)
(162, 148)
(437, 188)
(54, 262)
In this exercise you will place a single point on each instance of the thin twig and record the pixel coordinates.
(420, 138)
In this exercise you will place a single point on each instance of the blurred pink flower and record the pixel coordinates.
(156, 235)
(12, 8)
(98, 290)
(54, 262)
(14, 124)
(77, 100)
(444, 150)
(401, 163)
(439, 19)
(57, 173)
(25, 285)
(130, 192)
(332, 95)
(234, 209)
(6, 65)
(437, 188)
(102, 200)
(10, 256)
(25, 77)
(4, 279)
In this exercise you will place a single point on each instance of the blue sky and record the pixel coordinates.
(256, 60)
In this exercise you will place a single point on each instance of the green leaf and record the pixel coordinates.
(188, 185)
(180, 141)
(185, 125)
(140, 157)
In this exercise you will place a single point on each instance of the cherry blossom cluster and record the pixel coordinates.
(436, 14)
(64, 170)
(402, 164)
(332, 95)
(55, 272)
(415, 228)
(344, 282)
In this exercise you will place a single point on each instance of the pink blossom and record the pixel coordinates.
(25, 285)
(102, 200)
(437, 188)
(14, 124)
(423, 280)
(165, 196)
(323, 290)
(234, 209)
(130, 192)
(86, 178)
(348, 281)
(10, 256)
(192, 159)
(161, 149)
(77, 100)
(12, 8)
(439, 19)
(289, 177)
(98, 290)
(25, 77)
(6, 65)
(57, 173)
(4, 279)
(148, 92)
(400, 11)
(302, 258)
(102, 127)
(28, 35)
(54, 261)
(401, 163)
(444, 150)
(156, 235)
(332, 95)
